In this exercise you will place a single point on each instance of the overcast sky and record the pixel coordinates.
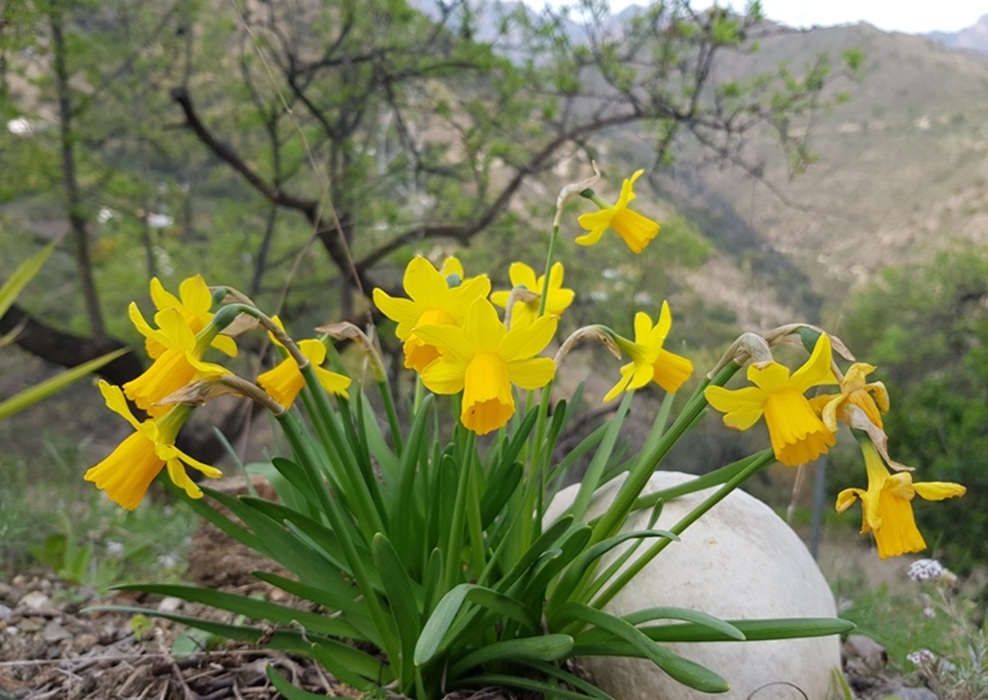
(912, 16)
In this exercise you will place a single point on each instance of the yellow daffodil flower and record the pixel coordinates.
(194, 302)
(284, 381)
(649, 360)
(126, 474)
(558, 299)
(483, 359)
(177, 364)
(886, 505)
(431, 302)
(635, 229)
(870, 397)
(797, 433)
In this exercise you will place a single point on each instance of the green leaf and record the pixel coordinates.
(341, 599)
(433, 636)
(250, 607)
(590, 481)
(501, 679)
(24, 273)
(499, 490)
(584, 563)
(404, 513)
(401, 597)
(285, 640)
(547, 647)
(687, 672)
(55, 384)
(715, 624)
(193, 642)
(553, 671)
(286, 688)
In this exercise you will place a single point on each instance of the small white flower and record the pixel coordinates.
(115, 549)
(926, 569)
(167, 561)
(921, 657)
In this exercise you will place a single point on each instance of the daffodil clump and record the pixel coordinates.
(415, 524)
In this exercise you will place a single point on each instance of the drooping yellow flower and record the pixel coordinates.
(483, 359)
(177, 364)
(558, 299)
(886, 505)
(126, 474)
(798, 435)
(870, 397)
(649, 360)
(431, 302)
(635, 229)
(194, 302)
(284, 381)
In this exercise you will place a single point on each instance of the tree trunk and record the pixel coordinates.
(77, 219)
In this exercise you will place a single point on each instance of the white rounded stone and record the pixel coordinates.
(739, 561)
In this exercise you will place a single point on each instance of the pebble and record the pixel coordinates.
(5, 612)
(54, 632)
(903, 693)
(34, 600)
(169, 604)
(86, 641)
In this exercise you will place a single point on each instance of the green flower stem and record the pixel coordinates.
(549, 254)
(453, 559)
(596, 199)
(611, 521)
(389, 636)
(389, 407)
(754, 464)
(366, 513)
(708, 480)
(475, 527)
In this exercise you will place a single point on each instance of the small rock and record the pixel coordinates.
(8, 592)
(903, 693)
(86, 641)
(169, 604)
(871, 654)
(31, 624)
(5, 612)
(35, 600)
(13, 629)
(54, 632)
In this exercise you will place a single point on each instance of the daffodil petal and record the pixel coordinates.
(626, 372)
(523, 275)
(816, 371)
(444, 376)
(939, 490)
(528, 340)
(741, 407)
(531, 374)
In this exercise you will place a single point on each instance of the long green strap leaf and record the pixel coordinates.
(251, 607)
(547, 647)
(434, 633)
(55, 384)
(24, 273)
(687, 672)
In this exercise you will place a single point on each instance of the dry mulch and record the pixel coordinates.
(50, 648)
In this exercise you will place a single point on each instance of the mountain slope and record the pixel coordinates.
(901, 172)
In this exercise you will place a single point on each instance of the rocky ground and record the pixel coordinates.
(51, 648)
